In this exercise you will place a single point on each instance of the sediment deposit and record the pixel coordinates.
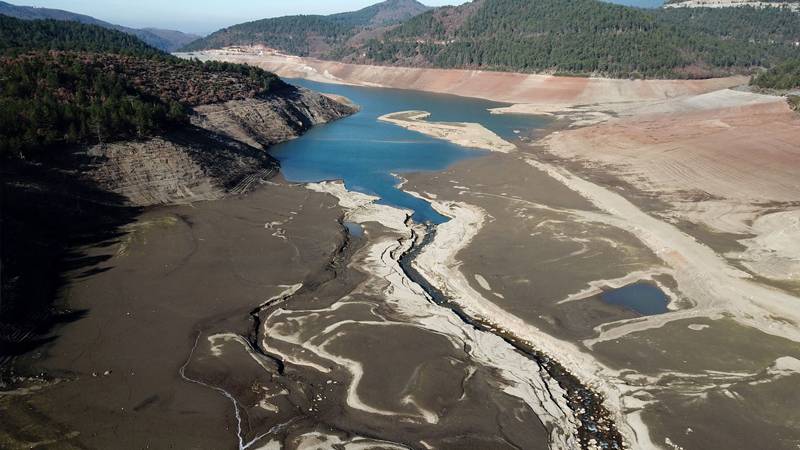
(472, 135)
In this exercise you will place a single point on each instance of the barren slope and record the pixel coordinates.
(497, 86)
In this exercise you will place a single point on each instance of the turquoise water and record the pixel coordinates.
(644, 298)
(364, 152)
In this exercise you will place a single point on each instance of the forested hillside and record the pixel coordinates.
(312, 35)
(65, 82)
(591, 37)
(584, 37)
(677, 2)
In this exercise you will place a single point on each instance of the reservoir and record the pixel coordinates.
(365, 153)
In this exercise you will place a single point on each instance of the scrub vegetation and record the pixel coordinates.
(783, 76)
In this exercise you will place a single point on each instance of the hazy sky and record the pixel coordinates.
(205, 16)
(201, 16)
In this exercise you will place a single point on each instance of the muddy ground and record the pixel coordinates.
(111, 379)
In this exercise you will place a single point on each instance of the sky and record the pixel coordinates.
(201, 16)
(206, 16)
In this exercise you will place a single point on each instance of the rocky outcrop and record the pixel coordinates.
(222, 152)
(262, 122)
(181, 167)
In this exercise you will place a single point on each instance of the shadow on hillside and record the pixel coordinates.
(48, 215)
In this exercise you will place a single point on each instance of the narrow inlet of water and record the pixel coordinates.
(365, 153)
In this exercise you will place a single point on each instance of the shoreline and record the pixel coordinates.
(471, 135)
(560, 93)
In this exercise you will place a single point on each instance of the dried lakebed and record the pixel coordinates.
(527, 235)
(391, 352)
(470, 306)
(414, 293)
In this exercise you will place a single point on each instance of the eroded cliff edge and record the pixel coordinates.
(221, 152)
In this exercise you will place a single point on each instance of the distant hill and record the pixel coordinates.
(173, 39)
(590, 37)
(582, 37)
(314, 35)
(167, 40)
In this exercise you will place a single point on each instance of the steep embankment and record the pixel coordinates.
(263, 122)
(221, 153)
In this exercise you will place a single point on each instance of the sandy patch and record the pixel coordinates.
(775, 251)
(482, 282)
(472, 135)
(361, 208)
(721, 159)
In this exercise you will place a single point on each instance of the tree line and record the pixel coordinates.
(67, 100)
(587, 37)
(64, 83)
(592, 37)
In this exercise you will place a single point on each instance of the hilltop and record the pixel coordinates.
(313, 35)
(167, 40)
(576, 37)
